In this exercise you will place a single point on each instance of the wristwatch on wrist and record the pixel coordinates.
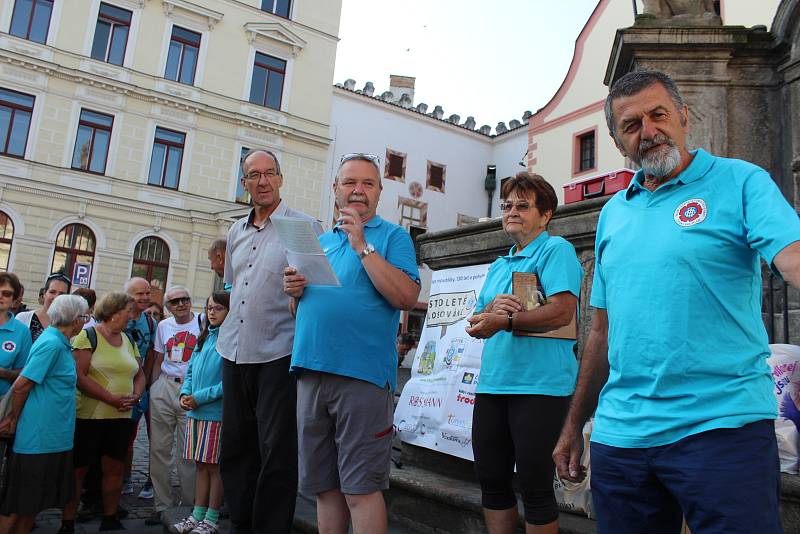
(369, 249)
(510, 326)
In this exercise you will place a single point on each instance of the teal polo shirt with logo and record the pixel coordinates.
(15, 345)
(523, 365)
(47, 421)
(351, 330)
(678, 272)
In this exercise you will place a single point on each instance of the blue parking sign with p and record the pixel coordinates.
(81, 274)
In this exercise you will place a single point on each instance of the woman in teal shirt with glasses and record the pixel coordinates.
(42, 420)
(525, 382)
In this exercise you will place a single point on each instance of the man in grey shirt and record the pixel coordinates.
(259, 433)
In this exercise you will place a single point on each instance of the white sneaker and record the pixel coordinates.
(187, 525)
(205, 527)
(147, 492)
(127, 487)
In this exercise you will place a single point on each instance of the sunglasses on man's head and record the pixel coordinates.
(360, 156)
(179, 300)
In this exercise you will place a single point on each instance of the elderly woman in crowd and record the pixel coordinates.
(37, 320)
(526, 382)
(42, 419)
(111, 381)
(15, 338)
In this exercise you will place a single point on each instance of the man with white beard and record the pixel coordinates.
(684, 420)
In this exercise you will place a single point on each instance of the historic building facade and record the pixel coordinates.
(568, 137)
(122, 125)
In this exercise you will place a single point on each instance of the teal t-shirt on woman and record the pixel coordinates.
(47, 421)
(531, 365)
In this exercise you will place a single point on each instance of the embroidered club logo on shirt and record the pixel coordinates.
(691, 212)
(9, 346)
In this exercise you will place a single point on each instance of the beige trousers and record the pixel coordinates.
(166, 419)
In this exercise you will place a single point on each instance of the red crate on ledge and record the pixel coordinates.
(599, 185)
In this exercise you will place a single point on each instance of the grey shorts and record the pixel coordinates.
(345, 429)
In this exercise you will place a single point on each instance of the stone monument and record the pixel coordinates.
(678, 13)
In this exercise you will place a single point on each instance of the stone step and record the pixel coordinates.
(422, 502)
(435, 503)
(305, 520)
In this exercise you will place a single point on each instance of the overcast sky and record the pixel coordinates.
(491, 60)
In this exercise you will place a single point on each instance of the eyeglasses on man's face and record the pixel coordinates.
(177, 301)
(7, 293)
(215, 309)
(84, 318)
(522, 206)
(256, 175)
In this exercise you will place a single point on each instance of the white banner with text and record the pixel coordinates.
(435, 407)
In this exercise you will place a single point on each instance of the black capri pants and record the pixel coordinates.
(521, 429)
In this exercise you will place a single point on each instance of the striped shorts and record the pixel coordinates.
(202, 440)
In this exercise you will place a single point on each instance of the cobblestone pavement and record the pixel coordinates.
(49, 521)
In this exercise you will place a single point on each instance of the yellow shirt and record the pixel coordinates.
(113, 368)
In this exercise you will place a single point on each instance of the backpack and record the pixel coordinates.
(91, 333)
(150, 328)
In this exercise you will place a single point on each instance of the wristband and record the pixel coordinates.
(510, 326)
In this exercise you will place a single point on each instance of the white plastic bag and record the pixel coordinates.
(577, 497)
(785, 366)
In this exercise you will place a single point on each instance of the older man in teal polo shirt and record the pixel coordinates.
(684, 420)
(345, 355)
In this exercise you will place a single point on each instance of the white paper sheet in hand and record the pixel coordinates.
(303, 251)
(314, 267)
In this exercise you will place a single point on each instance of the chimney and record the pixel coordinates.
(485, 129)
(369, 89)
(350, 84)
(469, 123)
(400, 85)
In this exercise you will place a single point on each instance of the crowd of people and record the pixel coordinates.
(126, 361)
(283, 384)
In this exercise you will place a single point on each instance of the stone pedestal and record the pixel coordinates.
(728, 79)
